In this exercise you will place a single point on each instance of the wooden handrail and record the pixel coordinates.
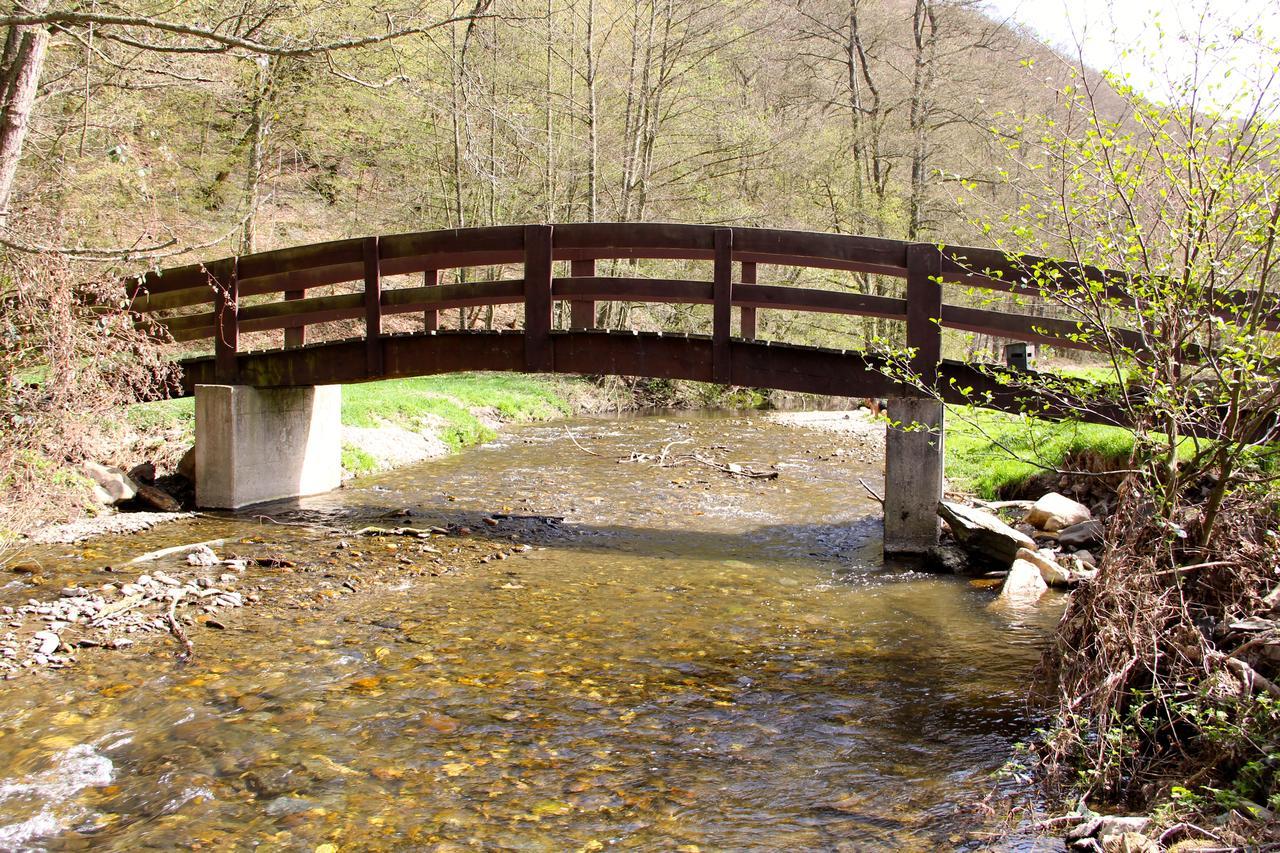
(223, 284)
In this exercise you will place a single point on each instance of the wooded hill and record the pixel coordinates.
(833, 115)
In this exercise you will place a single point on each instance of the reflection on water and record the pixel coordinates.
(688, 661)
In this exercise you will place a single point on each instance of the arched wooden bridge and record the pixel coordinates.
(265, 429)
(723, 357)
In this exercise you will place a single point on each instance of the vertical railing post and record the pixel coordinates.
(924, 310)
(226, 309)
(582, 312)
(722, 307)
(538, 355)
(430, 317)
(914, 442)
(747, 316)
(295, 336)
(372, 308)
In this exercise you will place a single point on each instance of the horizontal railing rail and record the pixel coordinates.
(226, 284)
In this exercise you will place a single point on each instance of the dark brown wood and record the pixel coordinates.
(722, 309)
(538, 354)
(809, 370)
(582, 312)
(224, 279)
(295, 336)
(431, 316)
(924, 310)
(747, 313)
(372, 307)
(610, 288)
(821, 301)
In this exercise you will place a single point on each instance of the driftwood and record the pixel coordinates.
(176, 549)
(415, 532)
(171, 619)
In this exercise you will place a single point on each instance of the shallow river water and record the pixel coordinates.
(689, 661)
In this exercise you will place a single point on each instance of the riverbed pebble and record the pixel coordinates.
(96, 617)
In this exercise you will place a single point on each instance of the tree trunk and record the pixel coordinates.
(21, 82)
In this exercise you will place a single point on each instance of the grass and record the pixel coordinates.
(447, 400)
(443, 400)
(988, 452)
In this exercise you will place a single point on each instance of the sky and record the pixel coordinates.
(1154, 42)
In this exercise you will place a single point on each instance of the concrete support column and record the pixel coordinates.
(263, 444)
(913, 469)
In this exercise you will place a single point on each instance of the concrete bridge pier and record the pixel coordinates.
(913, 475)
(263, 444)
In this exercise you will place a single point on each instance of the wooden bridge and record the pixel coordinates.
(213, 300)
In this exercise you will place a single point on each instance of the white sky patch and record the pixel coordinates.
(1230, 46)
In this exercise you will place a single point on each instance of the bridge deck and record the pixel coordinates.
(755, 364)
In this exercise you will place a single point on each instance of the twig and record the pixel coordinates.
(174, 628)
(732, 468)
(572, 438)
(1183, 827)
(871, 491)
(662, 457)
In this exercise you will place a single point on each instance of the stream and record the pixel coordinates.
(688, 660)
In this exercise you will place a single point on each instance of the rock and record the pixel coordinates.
(1053, 512)
(1022, 586)
(202, 556)
(114, 483)
(49, 642)
(144, 473)
(1086, 558)
(187, 465)
(1119, 825)
(1129, 842)
(102, 496)
(158, 499)
(1052, 573)
(946, 559)
(1084, 535)
(982, 534)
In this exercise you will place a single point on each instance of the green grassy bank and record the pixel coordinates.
(990, 453)
(454, 407)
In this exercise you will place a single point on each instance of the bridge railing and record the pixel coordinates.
(224, 285)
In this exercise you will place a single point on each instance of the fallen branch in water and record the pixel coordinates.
(732, 468)
(871, 491)
(574, 439)
(395, 531)
(171, 619)
(176, 549)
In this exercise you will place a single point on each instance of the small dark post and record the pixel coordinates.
(430, 317)
(372, 308)
(913, 466)
(1019, 356)
(582, 312)
(225, 276)
(722, 309)
(747, 316)
(538, 356)
(295, 336)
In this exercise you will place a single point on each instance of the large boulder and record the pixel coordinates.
(1022, 586)
(158, 499)
(114, 483)
(1053, 512)
(187, 465)
(1055, 573)
(1084, 535)
(982, 534)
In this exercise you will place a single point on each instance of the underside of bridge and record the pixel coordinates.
(284, 442)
